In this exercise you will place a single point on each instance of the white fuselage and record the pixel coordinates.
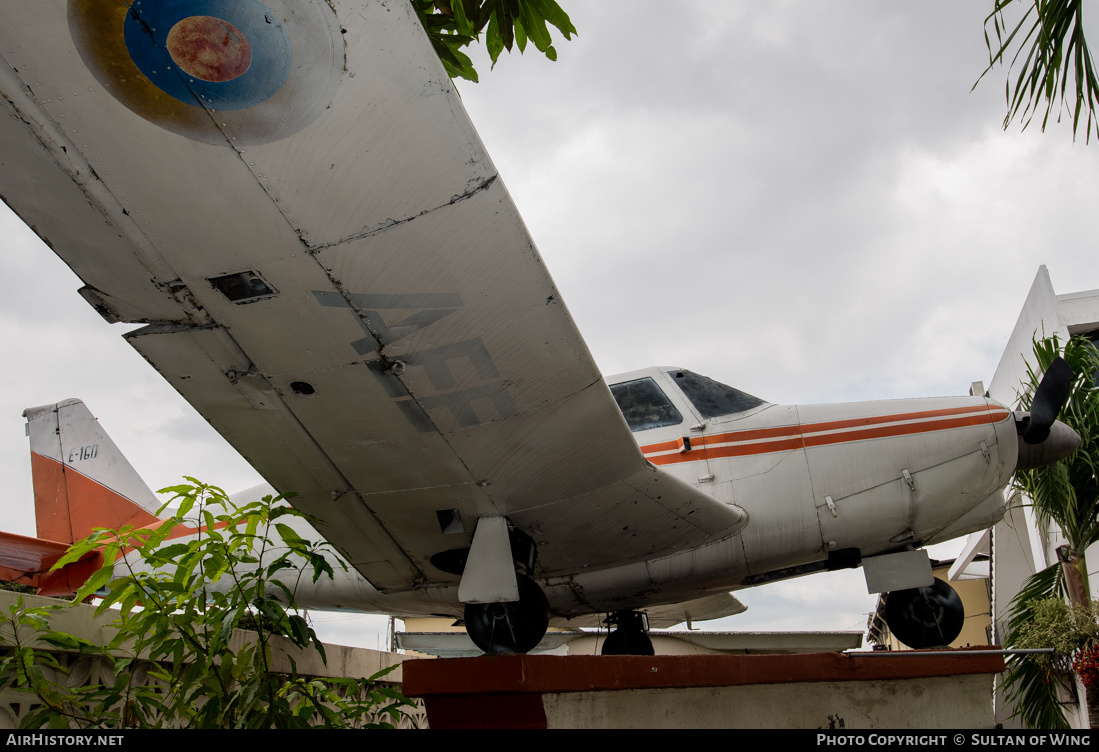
(818, 482)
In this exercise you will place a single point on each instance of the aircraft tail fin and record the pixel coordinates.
(81, 479)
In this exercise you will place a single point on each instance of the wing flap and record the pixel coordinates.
(253, 418)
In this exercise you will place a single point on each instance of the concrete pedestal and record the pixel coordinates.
(823, 690)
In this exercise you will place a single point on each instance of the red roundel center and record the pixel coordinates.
(209, 48)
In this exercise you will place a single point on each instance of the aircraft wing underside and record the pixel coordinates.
(332, 273)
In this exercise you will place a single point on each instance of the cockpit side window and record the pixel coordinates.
(644, 405)
(712, 398)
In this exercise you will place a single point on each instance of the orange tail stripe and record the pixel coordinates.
(69, 505)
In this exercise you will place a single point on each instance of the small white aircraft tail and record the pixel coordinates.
(81, 479)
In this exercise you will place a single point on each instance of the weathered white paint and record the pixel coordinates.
(441, 369)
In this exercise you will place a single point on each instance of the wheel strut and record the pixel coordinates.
(629, 636)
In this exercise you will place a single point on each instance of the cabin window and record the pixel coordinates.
(712, 398)
(644, 405)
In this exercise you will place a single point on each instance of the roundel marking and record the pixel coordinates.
(214, 54)
(218, 71)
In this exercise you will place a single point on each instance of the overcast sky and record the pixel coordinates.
(803, 200)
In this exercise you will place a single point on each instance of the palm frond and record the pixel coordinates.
(1067, 493)
(1051, 34)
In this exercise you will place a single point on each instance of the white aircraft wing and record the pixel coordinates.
(290, 195)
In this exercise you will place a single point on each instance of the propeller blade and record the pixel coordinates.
(1048, 400)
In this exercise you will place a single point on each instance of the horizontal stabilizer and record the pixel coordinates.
(28, 561)
(702, 609)
(661, 617)
(31, 555)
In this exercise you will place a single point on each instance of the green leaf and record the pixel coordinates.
(94, 583)
(462, 24)
(173, 551)
(520, 35)
(384, 672)
(505, 19)
(553, 13)
(535, 27)
(288, 534)
(494, 42)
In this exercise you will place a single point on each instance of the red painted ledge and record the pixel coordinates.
(588, 673)
(456, 690)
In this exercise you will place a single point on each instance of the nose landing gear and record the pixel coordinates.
(925, 617)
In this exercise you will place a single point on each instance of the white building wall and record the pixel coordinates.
(1019, 546)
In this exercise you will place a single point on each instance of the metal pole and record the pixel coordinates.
(1019, 651)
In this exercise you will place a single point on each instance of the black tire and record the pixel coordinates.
(510, 627)
(925, 617)
(627, 642)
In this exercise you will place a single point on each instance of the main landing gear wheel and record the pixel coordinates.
(925, 617)
(515, 627)
(629, 637)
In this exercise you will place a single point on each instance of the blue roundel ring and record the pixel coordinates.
(146, 32)
(240, 72)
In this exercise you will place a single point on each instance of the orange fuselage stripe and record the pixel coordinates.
(787, 438)
(179, 531)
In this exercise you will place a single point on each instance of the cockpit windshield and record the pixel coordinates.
(712, 398)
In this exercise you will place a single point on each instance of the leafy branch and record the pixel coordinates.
(178, 592)
(454, 24)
